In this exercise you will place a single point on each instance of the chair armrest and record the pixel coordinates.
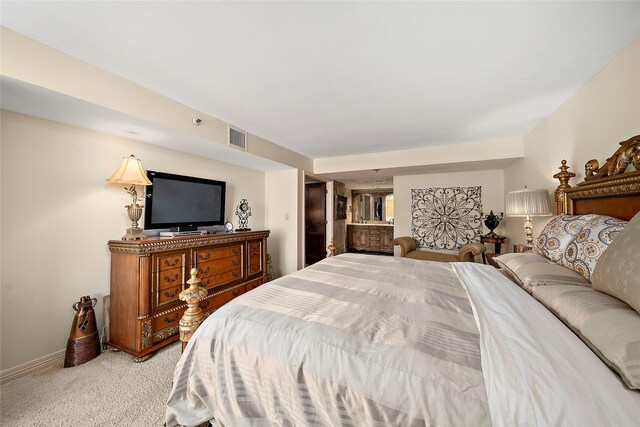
(468, 252)
(407, 244)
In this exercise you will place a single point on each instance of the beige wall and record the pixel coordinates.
(58, 213)
(492, 182)
(588, 125)
(281, 191)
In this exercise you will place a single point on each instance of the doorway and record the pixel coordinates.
(315, 219)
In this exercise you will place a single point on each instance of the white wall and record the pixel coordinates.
(491, 181)
(281, 217)
(58, 213)
(587, 126)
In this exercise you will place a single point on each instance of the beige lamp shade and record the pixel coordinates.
(528, 203)
(130, 172)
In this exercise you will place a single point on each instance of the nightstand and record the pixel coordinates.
(497, 242)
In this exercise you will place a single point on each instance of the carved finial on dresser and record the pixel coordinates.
(193, 316)
(563, 176)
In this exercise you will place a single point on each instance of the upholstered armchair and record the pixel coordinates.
(467, 253)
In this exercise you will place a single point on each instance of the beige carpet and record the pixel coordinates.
(110, 390)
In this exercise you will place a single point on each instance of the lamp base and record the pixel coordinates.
(134, 233)
(134, 211)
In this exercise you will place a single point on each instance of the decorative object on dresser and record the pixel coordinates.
(243, 211)
(131, 172)
(492, 221)
(467, 253)
(497, 244)
(446, 218)
(370, 237)
(147, 277)
(228, 226)
(527, 203)
(84, 343)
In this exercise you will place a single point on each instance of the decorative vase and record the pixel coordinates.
(492, 221)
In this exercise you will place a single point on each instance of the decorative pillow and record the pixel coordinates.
(617, 272)
(607, 325)
(531, 270)
(558, 233)
(584, 250)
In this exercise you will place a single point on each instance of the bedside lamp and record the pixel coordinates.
(527, 203)
(131, 172)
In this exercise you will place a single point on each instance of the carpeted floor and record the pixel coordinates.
(110, 390)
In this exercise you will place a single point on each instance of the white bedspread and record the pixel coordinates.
(361, 340)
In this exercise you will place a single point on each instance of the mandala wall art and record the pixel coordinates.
(446, 218)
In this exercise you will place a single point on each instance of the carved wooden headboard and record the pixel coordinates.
(607, 190)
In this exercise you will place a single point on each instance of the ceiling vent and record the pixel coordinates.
(237, 138)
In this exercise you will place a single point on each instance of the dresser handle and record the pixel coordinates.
(205, 271)
(204, 283)
(175, 292)
(236, 274)
(168, 264)
(236, 251)
(169, 279)
(175, 317)
(235, 262)
(236, 292)
(202, 257)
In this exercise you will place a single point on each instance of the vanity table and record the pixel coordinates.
(370, 237)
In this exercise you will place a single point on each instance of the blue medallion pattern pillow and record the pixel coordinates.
(558, 233)
(585, 249)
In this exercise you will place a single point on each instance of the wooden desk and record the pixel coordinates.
(497, 242)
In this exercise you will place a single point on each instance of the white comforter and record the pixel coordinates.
(361, 340)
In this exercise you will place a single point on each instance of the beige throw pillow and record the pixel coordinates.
(617, 272)
(531, 270)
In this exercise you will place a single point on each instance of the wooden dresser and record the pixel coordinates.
(148, 275)
(370, 237)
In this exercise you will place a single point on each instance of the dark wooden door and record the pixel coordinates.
(315, 222)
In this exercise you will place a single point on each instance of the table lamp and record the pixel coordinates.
(131, 172)
(527, 203)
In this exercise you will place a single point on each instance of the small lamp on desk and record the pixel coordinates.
(131, 172)
(527, 203)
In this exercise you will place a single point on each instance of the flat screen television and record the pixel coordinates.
(183, 203)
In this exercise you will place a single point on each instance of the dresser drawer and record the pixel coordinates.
(217, 266)
(168, 261)
(222, 278)
(255, 246)
(255, 268)
(252, 285)
(168, 279)
(225, 297)
(166, 297)
(167, 320)
(203, 255)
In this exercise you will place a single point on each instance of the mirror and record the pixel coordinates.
(373, 207)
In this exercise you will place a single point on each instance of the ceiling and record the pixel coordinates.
(338, 78)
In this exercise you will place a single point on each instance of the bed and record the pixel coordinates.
(361, 340)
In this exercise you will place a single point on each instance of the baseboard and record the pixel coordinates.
(53, 359)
